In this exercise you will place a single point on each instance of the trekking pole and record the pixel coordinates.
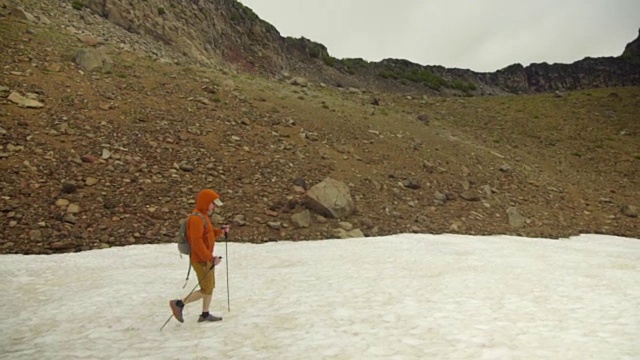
(192, 290)
(226, 254)
(166, 322)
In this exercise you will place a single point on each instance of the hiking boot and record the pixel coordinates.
(176, 309)
(208, 318)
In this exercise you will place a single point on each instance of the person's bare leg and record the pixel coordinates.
(195, 296)
(206, 301)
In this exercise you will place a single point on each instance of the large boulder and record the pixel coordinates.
(21, 14)
(299, 81)
(330, 198)
(90, 59)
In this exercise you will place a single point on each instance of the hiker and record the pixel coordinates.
(202, 237)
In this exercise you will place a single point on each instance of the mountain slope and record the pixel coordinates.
(115, 156)
(226, 32)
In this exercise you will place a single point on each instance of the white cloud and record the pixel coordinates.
(479, 35)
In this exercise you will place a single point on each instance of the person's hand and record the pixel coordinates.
(216, 260)
(225, 229)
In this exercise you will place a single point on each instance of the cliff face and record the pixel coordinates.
(227, 31)
(207, 31)
(632, 50)
(583, 74)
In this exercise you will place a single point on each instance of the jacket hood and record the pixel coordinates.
(204, 198)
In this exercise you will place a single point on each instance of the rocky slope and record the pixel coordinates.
(226, 32)
(106, 135)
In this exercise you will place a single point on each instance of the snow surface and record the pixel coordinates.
(407, 296)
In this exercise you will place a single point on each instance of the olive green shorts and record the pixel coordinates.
(206, 278)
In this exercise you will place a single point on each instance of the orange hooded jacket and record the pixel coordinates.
(202, 243)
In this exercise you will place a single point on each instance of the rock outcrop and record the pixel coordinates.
(632, 50)
(208, 31)
(227, 32)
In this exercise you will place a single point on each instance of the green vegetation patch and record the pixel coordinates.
(77, 4)
(424, 77)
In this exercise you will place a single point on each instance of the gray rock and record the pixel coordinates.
(94, 60)
(203, 101)
(421, 219)
(21, 14)
(301, 183)
(344, 234)
(411, 184)
(109, 204)
(89, 39)
(330, 198)
(239, 220)
(70, 219)
(424, 118)
(440, 197)
(629, 211)
(69, 188)
(346, 225)
(356, 233)
(14, 148)
(35, 235)
(24, 102)
(88, 159)
(44, 20)
(321, 219)
(90, 181)
(367, 223)
(505, 168)
(456, 226)
(62, 203)
(63, 245)
(302, 219)
(515, 219)
(470, 196)
(428, 167)
(299, 81)
(276, 225)
(187, 167)
(54, 67)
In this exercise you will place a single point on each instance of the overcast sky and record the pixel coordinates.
(481, 35)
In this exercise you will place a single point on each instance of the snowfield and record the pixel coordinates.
(408, 296)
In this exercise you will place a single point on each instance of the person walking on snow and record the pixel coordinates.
(202, 238)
